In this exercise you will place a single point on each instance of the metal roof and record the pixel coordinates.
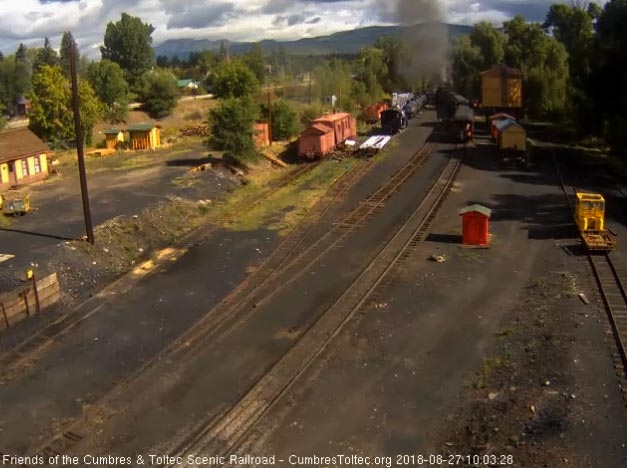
(112, 131)
(507, 123)
(19, 143)
(332, 117)
(503, 70)
(501, 115)
(476, 208)
(464, 113)
(142, 127)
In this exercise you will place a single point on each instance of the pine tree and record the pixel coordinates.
(20, 54)
(46, 56)
(67, 41)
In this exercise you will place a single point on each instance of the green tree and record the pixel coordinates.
(467, 62)
(51, 111)
(544, 64)
(20, 54)
(159, 93)
(65, 59)
(371, 71)
(490, 42)
(92, 110)
(233, 78)
(1, 56)
(52, 116)
(608, 77)
(310, 112)
(256, 61)
(107, 80)
(46, 56)
(128, 43)
(284, 120)
(232, 127)
(394, 56)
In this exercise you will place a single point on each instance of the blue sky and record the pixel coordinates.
(29, 21)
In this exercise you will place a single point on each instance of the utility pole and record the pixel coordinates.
(339, 101)
(79, 146)
(269, 118)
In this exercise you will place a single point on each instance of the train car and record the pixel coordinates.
(316, 142)
(462, 125)
(590, 219)
(393, 120)
(372, 113)
(326, 134)
(511, 141)
(410, 109)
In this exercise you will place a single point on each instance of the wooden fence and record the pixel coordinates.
(24, 301)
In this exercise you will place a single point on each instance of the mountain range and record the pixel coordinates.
(345, 42)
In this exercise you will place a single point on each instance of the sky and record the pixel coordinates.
(29, 21)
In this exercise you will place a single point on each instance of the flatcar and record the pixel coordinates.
(393, 120)
(590, 219)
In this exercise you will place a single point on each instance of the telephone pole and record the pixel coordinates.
(79, 147)
(269, 118)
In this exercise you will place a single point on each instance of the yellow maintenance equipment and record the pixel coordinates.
(17, 206)
(590, 219)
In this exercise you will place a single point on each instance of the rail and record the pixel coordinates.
(220, 436)
(610, 284)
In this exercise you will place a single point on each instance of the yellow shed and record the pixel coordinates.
(144, 136)
(113, 137)
(23, 158)
(501, 87)
(511, 135)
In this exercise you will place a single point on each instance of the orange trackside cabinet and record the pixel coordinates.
(475, 225)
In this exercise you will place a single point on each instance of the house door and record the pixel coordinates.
(12, 176)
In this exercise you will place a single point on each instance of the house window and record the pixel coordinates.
(24, 167)
(36, 164)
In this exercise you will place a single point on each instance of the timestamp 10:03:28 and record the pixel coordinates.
(454, 460)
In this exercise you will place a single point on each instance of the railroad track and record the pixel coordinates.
(611, 283)
(290, 259)
(30, 349)
(219, 435)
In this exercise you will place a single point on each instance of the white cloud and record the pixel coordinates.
(29, 21)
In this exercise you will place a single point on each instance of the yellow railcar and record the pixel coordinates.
(590, 219)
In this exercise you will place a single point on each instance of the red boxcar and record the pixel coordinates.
(325, 134)
(316, 141)
(372, 113)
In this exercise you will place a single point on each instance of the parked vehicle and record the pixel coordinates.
(393, 120)
(326, 134)
(590, 218)
(372, 113)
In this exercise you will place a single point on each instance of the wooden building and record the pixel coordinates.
(261, 134)
(501, 88)
(113, 137)
(23, 158)
(144, 136)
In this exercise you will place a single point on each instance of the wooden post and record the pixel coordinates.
(269, 119)
(339, 100)
(4, 312)
(36, 294)
(25, 296)
(89, 227)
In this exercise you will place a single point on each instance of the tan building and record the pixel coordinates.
(501, 87)
(113, 137)
(144, 136)
(23, 158)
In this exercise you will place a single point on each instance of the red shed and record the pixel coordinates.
(261, 134)
(316, 141)
(344, 126)
(475, 225)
